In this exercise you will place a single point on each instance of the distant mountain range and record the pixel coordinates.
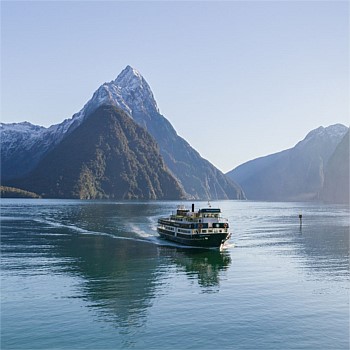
(85, 157)
(119, 146)
(316, 168)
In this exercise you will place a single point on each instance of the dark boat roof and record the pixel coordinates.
(210, 210)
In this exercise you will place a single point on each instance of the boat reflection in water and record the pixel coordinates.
(202, 264)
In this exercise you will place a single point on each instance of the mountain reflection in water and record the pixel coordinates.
(122, 277)
(95, 275)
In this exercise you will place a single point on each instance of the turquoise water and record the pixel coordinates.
(94, 275)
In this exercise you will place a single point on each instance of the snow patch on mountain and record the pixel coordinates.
(19, 135)
(24, 127)
(129, 92)
(25, 135)
(333, 132)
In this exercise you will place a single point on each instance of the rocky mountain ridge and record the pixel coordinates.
(131, 93)
(107, 157)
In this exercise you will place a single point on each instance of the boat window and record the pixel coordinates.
(183, 231)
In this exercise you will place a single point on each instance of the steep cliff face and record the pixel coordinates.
(199, 178)
(293, 174)
(336, 180)
(106, 156)
(131, 93)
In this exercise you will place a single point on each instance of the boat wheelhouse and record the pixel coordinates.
(204, 228)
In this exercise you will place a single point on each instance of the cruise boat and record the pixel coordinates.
(204, 228)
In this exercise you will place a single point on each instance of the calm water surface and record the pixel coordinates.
(94, 275)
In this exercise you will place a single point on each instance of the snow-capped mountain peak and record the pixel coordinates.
(336, 130)
(130, 78)
(134, 91)
(332, 133)
(129, 91)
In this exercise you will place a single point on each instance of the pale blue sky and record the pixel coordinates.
(237, 80)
